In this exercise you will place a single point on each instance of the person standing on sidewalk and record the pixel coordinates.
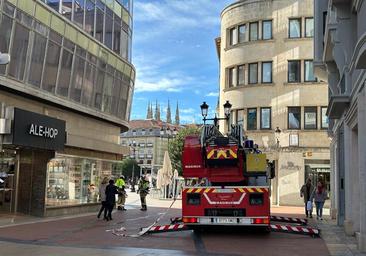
(110, 192)
(102, 196)
(319, 195)
(305, 192)
(143, 190)
(120, 183)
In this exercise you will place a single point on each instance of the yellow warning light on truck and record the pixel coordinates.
(256, 163)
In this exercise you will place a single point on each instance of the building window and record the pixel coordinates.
(38, 54)
(294, 67)
(265, 118)
(252, 119)
(233, 36)
(6, 25)
(294, 117)
(253, 31)
(309, 27)
(79, 13)
(309, 71)
(310, 117)
(52, 60)
(294, 28)
(19, 52)
(267, 72)
(66, 8)
(231, 78)
(267, 29)
(89, 17)
(240, 117)
(253, 73)
(241, 75)
(324, 118)
(242, 33)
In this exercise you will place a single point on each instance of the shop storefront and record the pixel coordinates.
(29, 141)
(73, 181)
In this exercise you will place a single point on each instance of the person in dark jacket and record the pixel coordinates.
(102, 187)
(305, 192)
(110, 192)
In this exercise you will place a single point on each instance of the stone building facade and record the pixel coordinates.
(266, 72)
(69, 72)
(340, 58)
(148, 140)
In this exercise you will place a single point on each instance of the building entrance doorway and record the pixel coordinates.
(7, 180)
(319, 170)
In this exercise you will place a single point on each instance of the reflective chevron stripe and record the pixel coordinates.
(226, 190)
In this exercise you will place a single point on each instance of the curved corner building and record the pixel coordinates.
(266, 72)
(65, 98)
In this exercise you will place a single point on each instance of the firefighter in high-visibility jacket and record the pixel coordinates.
(143, 190)
(120, 183)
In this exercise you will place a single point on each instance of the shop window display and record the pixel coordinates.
(73, 180)
(7, 180)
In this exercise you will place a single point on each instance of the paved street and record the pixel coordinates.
(87, 235)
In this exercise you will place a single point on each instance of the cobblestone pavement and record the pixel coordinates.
(87, 235)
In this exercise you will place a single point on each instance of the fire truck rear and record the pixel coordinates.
(227, 180)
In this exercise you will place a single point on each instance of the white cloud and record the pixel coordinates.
(173, 13)
(212, 94)
(187, 110)
(163, 84)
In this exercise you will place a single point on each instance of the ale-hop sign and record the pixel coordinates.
(38, 131)
(43, 131)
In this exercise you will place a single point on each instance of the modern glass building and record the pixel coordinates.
(66, 97)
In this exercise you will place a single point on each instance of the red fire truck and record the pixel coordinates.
(227, 180)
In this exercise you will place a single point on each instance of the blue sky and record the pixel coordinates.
(175, 56)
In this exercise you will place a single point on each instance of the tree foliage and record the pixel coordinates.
(128, 165)
(176, 146)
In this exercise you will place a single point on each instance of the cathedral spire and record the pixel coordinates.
(177, 119)
(168, 114)
(149, 111)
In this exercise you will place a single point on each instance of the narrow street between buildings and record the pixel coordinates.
(87, 235)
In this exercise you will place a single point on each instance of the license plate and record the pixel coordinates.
(245, 221)
(225, 221)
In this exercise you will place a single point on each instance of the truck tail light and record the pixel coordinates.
(190, 220)
(260, 220)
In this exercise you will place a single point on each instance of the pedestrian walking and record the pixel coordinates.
(102, 196)
(121, 184)
(111, 191)
(305, 192)
(319, 195)
(143, 190)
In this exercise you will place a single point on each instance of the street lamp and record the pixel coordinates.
(227, 108)
(133, 146)
(204, 111)
(4, 58)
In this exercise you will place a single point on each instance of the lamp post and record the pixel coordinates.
(133, 146)
(204, 112)
(277, 136)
